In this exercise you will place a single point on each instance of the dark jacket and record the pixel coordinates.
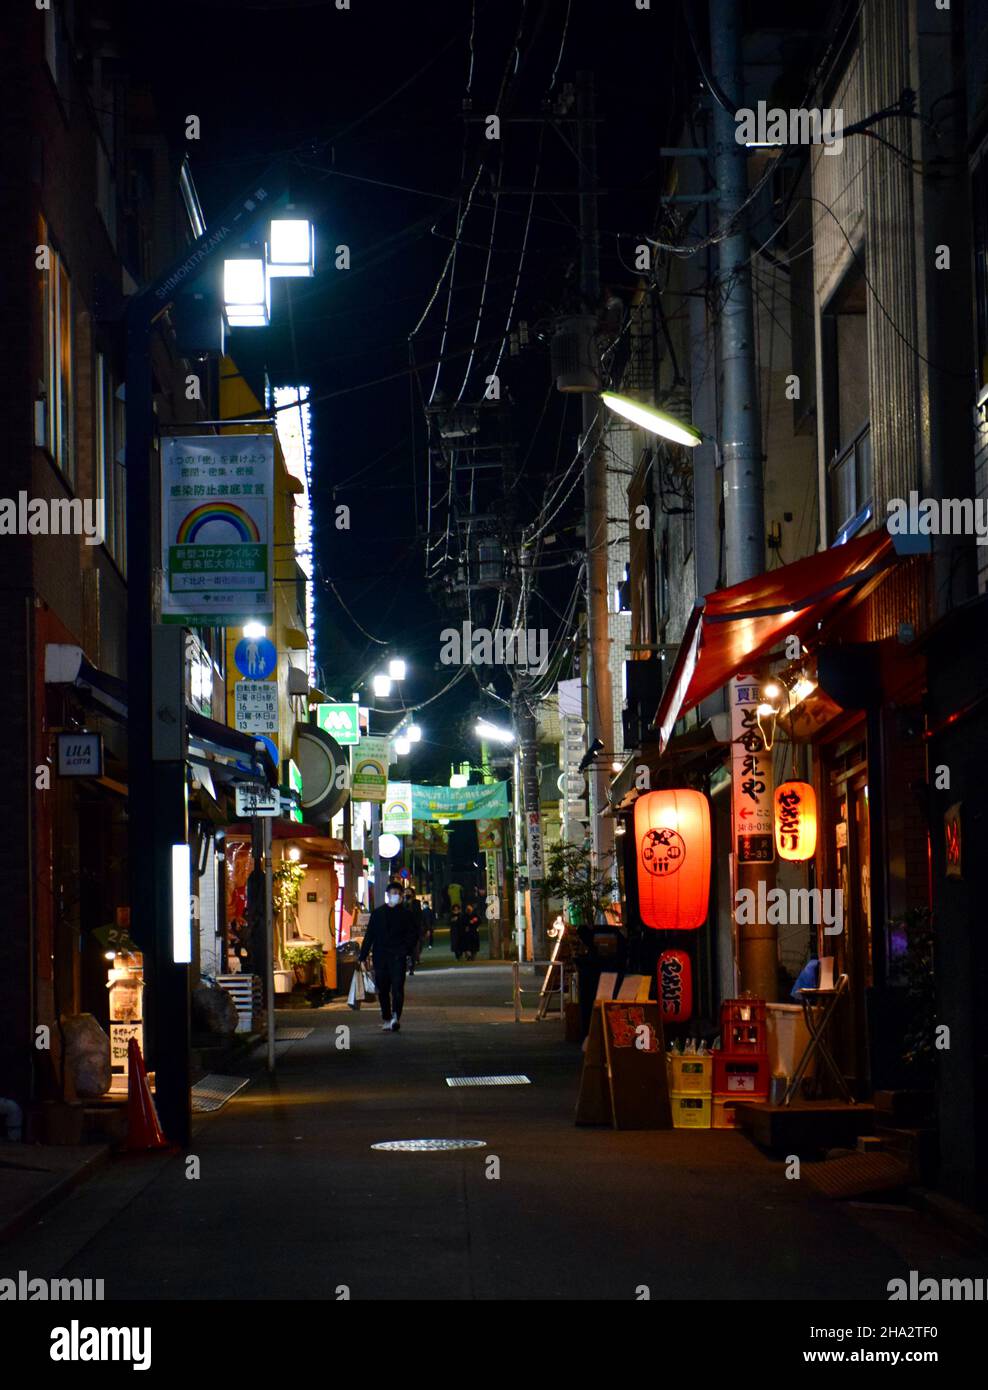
(391, 931)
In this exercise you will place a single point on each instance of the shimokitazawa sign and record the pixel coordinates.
(80, 755)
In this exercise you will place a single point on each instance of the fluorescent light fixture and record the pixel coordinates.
(246, 292)
(487, 731)
(414, 733)
(382, 685)
(656, 421)
(292, 248)
(402, 745)
(255, 631)
(396, 669)
(181, 905)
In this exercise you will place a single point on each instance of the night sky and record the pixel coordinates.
(269, 78)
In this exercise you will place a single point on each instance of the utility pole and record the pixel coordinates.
(741, 447)
(600, 720)
(527, 733)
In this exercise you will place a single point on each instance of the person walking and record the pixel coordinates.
(428, 921)
(470, 934)
(412, 904)
(455, 929)
(391, 937)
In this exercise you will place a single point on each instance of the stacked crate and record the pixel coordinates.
(740, 1070)
(690, 1081)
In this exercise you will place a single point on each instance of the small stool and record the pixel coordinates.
(816, 1026)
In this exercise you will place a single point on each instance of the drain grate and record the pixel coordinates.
(857, 1175)
(291, 1034)
(488, 1081)
(213, 1092)
(429, 1145)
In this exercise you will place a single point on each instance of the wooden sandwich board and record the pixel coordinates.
(624, 1068)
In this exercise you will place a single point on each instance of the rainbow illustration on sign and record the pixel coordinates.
(227, 512)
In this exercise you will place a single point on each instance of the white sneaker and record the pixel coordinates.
(387, 1027)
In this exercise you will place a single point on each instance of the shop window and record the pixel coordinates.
(847, 439)
(979, 198)
(53, 429)
(110, 462)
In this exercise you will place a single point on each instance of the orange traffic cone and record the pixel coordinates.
(143, 1130)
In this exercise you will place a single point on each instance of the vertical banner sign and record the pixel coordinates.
(217, 524)
(572, 783)
(752, 777)
(535, 866)
(396, 813)
(369, 781)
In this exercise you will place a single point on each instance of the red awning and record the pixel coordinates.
(730, 629)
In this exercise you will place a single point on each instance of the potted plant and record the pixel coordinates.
(306, 962)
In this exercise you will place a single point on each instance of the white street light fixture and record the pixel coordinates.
(255, 631)
(246, 292)
(414, 733)
(292, 248)
(181, 904)
(459, 779)
(396, 669)
(382, 685)
(388, 845)
(402, 746)
(486, 731)
(656, 421)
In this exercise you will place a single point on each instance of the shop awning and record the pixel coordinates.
(732, 628)
(67, 665)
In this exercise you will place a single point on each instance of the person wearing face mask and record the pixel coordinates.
(391, 937)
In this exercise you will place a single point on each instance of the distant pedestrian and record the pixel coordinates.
(412, 904)
(455, 930)
(470, 935)
(391, 938)
(428, 921)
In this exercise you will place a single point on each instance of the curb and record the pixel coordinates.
(29, 1214)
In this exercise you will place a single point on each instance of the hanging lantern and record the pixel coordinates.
(795, 820)
(672, 845)
(674, 975)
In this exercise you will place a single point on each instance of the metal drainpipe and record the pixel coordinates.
(741, 446)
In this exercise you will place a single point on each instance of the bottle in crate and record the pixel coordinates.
(743, 1027)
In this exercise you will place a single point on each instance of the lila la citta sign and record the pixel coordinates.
(80, 755)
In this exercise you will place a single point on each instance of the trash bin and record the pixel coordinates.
(346, 962)
(788, 1037)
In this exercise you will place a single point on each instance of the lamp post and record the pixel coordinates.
(157, 794)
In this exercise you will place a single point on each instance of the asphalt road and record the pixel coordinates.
(292, 1202)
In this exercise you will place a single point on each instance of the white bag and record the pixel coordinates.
(357, 991)
(370, 988)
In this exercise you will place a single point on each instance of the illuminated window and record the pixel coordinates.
(54, 426)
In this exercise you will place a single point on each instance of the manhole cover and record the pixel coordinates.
(488, 1081)
(424, 1145)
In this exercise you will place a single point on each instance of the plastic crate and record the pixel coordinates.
(743, 1027)
(742, 1076)
(722, 1110)
(690, 1076)
(690, 1111)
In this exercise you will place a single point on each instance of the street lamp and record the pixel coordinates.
(656, 421)
(396, 669)
(485, 730)
(246, 292)
(291, 250)
(402, 745)
(414, 733)
(382, 685)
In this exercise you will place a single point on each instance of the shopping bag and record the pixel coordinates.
(357, 992)
(370, 988)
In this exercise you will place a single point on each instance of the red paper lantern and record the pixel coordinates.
(674, 976)
(672, 843)
(795, 820)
